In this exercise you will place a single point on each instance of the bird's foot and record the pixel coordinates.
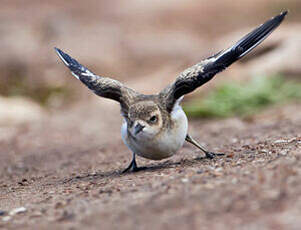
(211, 155)
(133, 168)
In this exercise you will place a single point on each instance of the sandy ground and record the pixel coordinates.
(66, 172)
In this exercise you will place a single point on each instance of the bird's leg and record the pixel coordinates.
(209, 154)
(133, 166)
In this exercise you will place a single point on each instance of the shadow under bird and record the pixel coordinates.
(155, 126)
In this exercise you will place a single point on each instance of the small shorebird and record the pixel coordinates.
(155, 126)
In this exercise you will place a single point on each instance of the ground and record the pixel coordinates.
(69, 177)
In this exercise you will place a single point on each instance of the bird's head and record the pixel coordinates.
(145, 119)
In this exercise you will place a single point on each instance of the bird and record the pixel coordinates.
(155, 126)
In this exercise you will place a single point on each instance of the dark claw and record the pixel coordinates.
(137, 169)
(211, 155)
(133, 168)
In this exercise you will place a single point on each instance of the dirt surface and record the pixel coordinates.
(66, 172)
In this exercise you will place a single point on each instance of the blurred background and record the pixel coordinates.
(145, 44)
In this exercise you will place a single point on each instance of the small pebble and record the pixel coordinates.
(17, 211)
(283, 153)
(280, 141)
(218, 169)
(2, 213)
(200, 171)
(230, 155)
(292, 139)
(234, 181)
(6, 218)
(234, 140)
(184, 180)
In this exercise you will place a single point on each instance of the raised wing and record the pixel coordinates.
(102, 86)
(204, 71)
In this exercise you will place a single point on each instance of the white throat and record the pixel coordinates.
(164, 145)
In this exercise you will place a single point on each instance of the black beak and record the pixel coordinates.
(138, 128)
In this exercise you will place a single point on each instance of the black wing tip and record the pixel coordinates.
(250, 41)
(281, 16)
(260, 33)
(58, 51)
(284, 13)
(67, 60)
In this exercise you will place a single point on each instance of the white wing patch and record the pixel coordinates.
(177, 104)
(77, 77)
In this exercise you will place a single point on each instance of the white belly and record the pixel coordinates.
(164, 145)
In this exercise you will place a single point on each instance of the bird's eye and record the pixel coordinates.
(153, 119)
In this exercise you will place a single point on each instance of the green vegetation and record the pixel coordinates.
(40, 93)
(14, 83)
(233, 99)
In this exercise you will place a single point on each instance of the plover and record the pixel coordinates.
(155, 126)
